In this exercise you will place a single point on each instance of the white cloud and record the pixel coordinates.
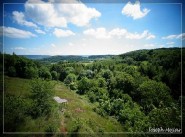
(117, 32)
(71, 44)
(170, 37)
(134, 10)
(170, 43)
(136, 35)
(62, 33)
(98, 33)
(44, 14)
(53, 45)
(40, 31)
(19, 17)
(19, 48)
(154, 45)
(60, 14)
(179, 36)
(78, 13)
(150, 36)
(15, 33)
(149, 45)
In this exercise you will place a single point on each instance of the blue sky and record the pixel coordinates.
(90, 28)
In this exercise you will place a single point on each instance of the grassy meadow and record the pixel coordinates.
(78, 114)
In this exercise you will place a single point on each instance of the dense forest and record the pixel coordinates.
(139, 89)
(73, 58)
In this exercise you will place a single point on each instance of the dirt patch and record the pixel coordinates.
(79, 110)
(63, 129)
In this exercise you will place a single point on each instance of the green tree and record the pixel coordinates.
(70, 79)
(84, 85)
(125, 82)
(131, 70)
(73, 86)
(44, 73)
(102, 83)
(20, 67)
(14, 112)
(41, 95)
(66, 71)
(104, 107)
(81, 75)
(31, 72)
(107, 74)
(12, 71)
(54, 75)
(128, 60)
(168, 117)
(133, 118)
(89, 74)
(62, 75)
(153, 94)
(117, 105)
(99, 93)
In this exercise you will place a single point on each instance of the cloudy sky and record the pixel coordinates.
(55, 27)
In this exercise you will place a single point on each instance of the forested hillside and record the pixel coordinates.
(73, 58)
(139, 89)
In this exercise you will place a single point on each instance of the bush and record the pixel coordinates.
(92, 97)
(83, 85)
(153, 94)
(125, 82)
(54, 75)
(14, 112)
(31, 72)
(77, 124)
(73, 86)
(12, 71)
(70, 79)
(51, 128)
(44, 73)
(168, 117)
(41, 98)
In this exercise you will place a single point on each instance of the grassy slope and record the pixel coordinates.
(77, 112)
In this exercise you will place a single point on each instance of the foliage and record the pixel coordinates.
(70, 79)
(12, 71)
(107, 74)
(141, 89)
(132, 117)
(14, 112)
(102, 83)
(124, 82)
(54, 75)
(83, 85)
(167, 117)
(96, 94)
(44, 73)
(153, 94)
(31, 72)
(20, 66)
(41, 98)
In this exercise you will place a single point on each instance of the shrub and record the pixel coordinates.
(41, 97)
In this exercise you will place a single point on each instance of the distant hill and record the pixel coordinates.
(153, 54)
(35, 56)
(100, 56)
(71, 58)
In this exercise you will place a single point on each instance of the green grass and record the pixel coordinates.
(76, 116)
(79, 108)
(17, 86)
